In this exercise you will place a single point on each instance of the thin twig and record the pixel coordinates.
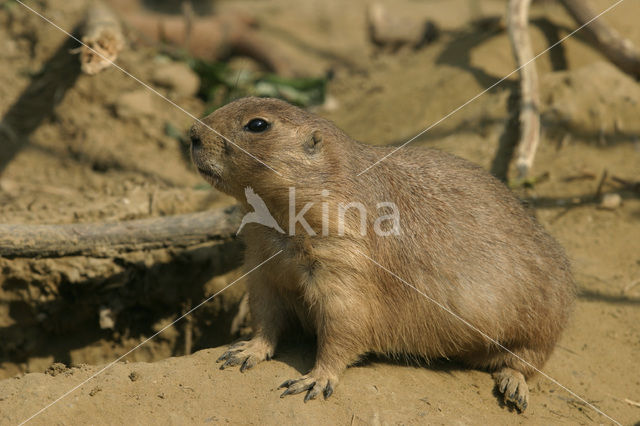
(603, 178)
(630, 402)
(617, 49)
(189, 14)
(188, 328)
(517, 26)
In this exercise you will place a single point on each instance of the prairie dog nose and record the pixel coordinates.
(196, 142)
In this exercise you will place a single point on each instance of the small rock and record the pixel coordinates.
(610, 201)
(107, 318)
(331, 103)
(134, 376)
(136, 104)
(178, 78)
(55, 369)
(95, 390)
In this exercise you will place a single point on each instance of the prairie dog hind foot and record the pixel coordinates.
(513, 386)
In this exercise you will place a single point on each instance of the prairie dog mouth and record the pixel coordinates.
(204, 165)
(210, 174)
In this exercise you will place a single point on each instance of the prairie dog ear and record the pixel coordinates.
(313, 143)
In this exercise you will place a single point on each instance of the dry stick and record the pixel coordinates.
(517, 23)
(108, 239)
(617, 49)
(211, 38)
(188, 328)
(189, 14)
(603, 179)
(630, 402)
(627, 184)
(103, 33)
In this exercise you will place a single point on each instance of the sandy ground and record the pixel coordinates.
(94, 158)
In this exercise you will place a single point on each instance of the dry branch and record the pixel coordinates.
(107, 239)
(211, 38)
(630, 402)
(617, 49)
(103, 34)
(517, 23)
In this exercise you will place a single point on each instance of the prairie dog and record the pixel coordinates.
(461, 239)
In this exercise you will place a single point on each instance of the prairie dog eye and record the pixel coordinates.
(257, 125)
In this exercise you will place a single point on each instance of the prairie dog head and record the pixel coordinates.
(265, 144)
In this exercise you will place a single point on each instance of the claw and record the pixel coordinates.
(285, 393)
(228, 363)
(226, 355)
(313, 392)
(292, 390)
(245, 365)
(311, 384)
(328, 391)
(286, 384)
(521, 403)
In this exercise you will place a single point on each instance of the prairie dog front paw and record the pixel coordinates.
(246, 354)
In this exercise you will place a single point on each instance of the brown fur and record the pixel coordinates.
(465, 241)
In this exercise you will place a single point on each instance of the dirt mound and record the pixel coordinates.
(192, 390)
(77, 148)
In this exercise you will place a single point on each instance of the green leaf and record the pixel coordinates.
(220, 85)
